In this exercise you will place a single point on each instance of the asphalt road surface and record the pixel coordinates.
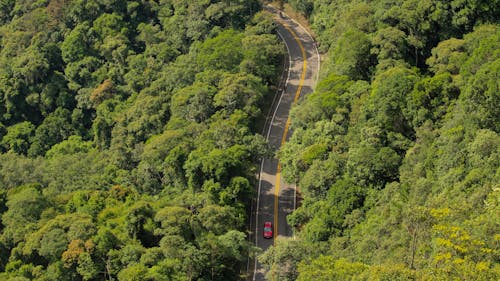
(276, 199)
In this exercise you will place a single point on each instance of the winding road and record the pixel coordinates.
(276, 199)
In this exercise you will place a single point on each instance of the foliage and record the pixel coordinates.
(128, 137)
(396, 153)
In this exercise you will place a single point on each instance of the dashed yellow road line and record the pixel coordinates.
(287, 125)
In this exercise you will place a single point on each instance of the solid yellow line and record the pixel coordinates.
(287, 126)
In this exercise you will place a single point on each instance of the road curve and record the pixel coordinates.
(276, 199)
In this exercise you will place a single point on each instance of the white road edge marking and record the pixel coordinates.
(267, 138)
(279, 92)
(315, 83)
(272, 121)
(315, 47)
(284, 87)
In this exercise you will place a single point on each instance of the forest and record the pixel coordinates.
(396, 153)
(129, 140)
(128, 136)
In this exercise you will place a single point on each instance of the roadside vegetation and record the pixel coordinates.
(127, 137)
(397, 153)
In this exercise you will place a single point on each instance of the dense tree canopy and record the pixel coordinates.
(396, 153)
(128, 137)
(128, 140)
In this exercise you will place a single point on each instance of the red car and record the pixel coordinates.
(268, 230)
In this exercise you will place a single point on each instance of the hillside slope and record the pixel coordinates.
(129, 137)
(396, 152)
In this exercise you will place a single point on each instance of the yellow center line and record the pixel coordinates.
(287, 125)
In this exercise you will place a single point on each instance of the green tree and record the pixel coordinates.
(74, 144)
(215, 218)
(447, 56)
(239, 91)
(389, 44)
(87, 268)
(389, 93)
(25, 206)
(221, 52)
(303, 6)
(431, 99)
(174, 220)
(261, 54)
(114, 101)
(135, 272)
(351, 56)
(397, 172)
(54, 129)
(193, 103)
(483, 95)
(326, 268)
(6, 7)
(16, 170)
(52, 240)
(137, 217)
(282, 259)
(19, 137)
(77, 44)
